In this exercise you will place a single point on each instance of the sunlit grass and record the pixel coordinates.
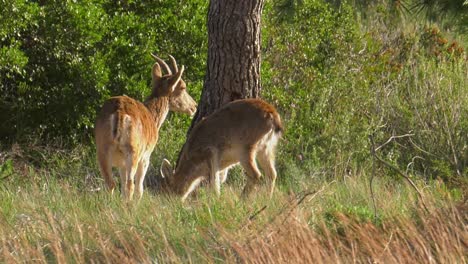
(48, 217)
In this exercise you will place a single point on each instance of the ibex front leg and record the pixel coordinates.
(214, 177)
(140, 176)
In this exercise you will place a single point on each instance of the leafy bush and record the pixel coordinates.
(61, 60)
(307, 79)
(337, 72)
(336, 84)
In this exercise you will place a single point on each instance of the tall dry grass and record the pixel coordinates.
(438, 236)
(55, 214)
(287, 233)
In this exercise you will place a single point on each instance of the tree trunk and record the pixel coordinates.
(233, 66)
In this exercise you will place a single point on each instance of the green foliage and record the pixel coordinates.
(338, 72)
(336, 83)
(61, 60)
(308, 81)
(6, 169)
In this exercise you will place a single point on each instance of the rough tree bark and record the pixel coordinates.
(233, 66)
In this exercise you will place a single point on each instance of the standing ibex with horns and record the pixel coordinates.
(127, 130)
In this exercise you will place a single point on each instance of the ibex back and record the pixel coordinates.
(127, 130)
(242, 132)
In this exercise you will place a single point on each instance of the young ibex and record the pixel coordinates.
(239, 132)
(127, 130)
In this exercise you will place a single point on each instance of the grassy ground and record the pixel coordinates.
(57, 213)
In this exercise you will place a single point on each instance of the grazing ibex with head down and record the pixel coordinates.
(127, 130)
(239, 132)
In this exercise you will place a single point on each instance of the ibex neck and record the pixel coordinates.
(159, 108)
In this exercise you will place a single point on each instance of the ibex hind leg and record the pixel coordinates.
(266, 160)
(105, 166)
(253, 174)
(140, 177)
(131, 164)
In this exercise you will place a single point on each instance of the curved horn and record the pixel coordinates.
(162, 63)
(175, 69)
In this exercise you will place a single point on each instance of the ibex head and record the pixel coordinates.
(167, 172)
(173, 86)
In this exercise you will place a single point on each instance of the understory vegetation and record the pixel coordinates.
(372, 166)
(56, 212)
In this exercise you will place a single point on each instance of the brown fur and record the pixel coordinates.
(235, 133)
(124, 105)
(127, 130)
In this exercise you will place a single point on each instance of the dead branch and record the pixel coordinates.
(372, 150)
(386, 163)
(257, 213)
(391, 139)
(299, 199)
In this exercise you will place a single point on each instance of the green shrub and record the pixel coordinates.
(63, 59)
(337, 73)
(336, 83)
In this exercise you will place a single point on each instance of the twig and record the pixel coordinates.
(291, 205)
(300, 200)
(256, 213)
(420, 149)
(374, 154)
(392, 138)
(452, 147)
(372, 150)
(399, 172)
(412, 162)
(388, 244)
(303, 197)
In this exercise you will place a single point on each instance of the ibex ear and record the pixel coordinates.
(166, 169)
(176, 79)
(156, 72)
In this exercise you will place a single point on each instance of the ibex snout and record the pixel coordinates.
(193, 110)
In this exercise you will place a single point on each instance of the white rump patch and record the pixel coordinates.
(127, 121)
(126, 126)
(269, 141)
